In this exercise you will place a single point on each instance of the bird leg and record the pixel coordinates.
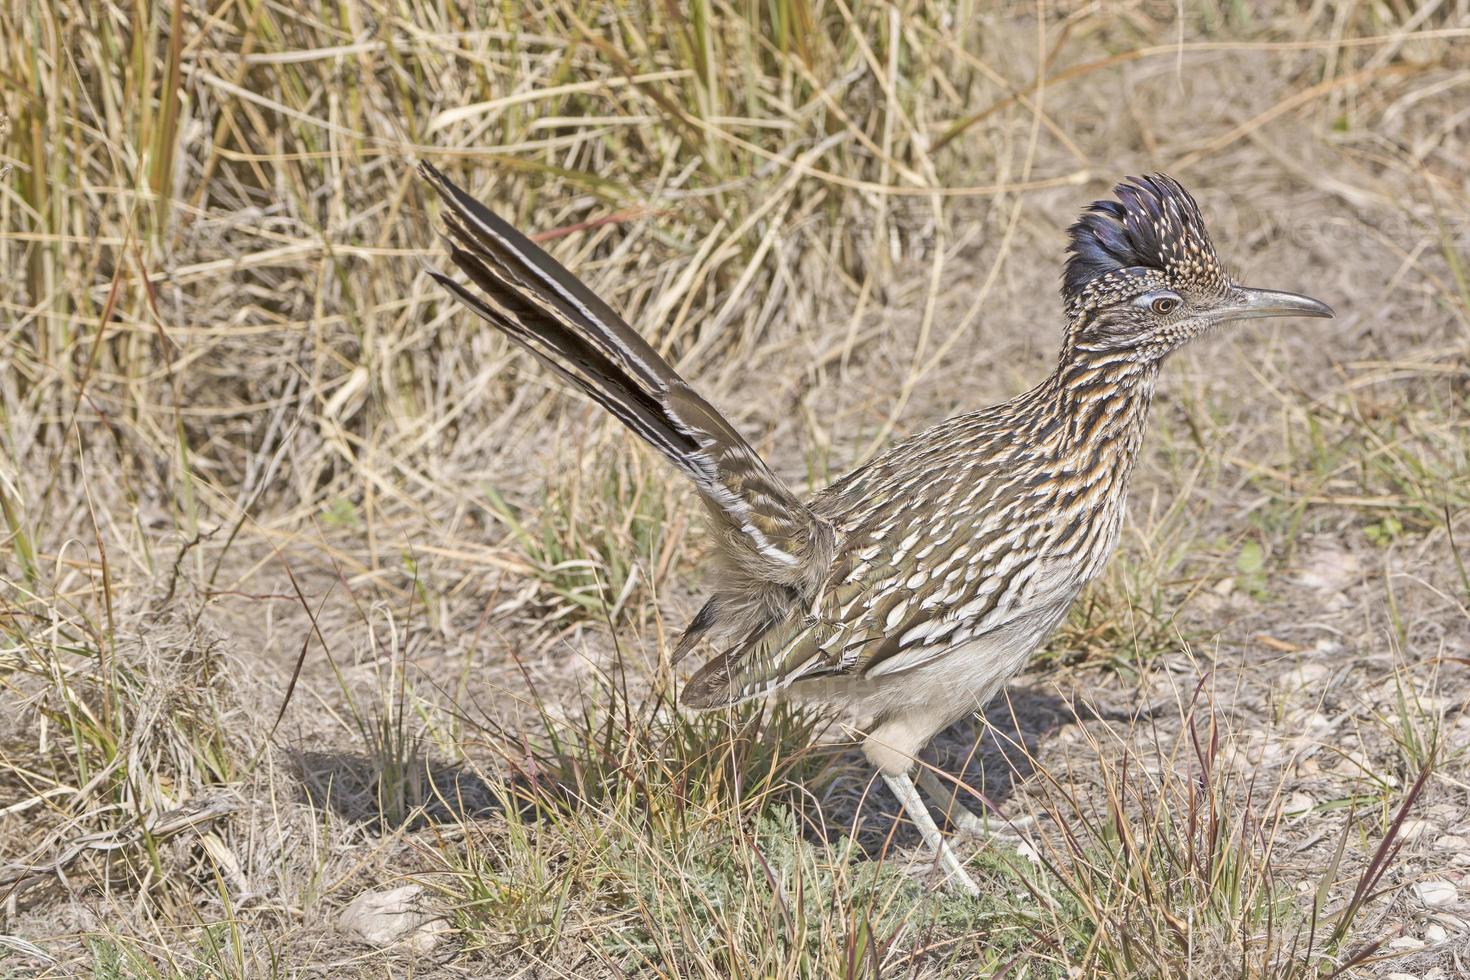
(965, 820)
(913, 804)
(946, 798)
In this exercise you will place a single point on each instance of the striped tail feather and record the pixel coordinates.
(766, 536)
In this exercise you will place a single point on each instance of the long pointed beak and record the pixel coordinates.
(1246, 304)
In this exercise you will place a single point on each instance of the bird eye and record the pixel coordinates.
(1164, 305)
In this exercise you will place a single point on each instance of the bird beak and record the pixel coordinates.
(1245, 303)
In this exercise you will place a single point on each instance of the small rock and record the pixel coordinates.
(1406, 942)
(1434, 893)
(1308, 676)
(1452, 923)
(1330, 570)
(1435, 933)
(1451, 842)
(1400, 976)
(1028, 853)
(1305, 725)
(1298, 805)
(398, 916)
(1264, 751)
(1355, 763)
(1414, 828)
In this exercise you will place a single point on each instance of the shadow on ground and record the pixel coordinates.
(988, 760)
(359, 789)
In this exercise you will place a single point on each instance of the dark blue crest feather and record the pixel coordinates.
(1154, 224)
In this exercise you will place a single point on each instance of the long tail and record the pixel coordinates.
(764, 532)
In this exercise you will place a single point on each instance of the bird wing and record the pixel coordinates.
(909, 581)
(766, 532)
(870, 625)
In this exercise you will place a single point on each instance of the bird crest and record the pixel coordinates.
(1152, 235)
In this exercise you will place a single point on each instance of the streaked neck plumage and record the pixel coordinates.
(1100, 399)
(1101, 392)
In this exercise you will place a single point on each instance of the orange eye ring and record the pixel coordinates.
(1164, 305)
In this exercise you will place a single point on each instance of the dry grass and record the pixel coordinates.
(310, 586)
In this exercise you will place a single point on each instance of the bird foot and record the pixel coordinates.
(966, 821)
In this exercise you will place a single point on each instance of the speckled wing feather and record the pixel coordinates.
(766, 535)
(967, 529)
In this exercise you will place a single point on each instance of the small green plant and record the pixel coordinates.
(1122, 622)
(1250, 567)
(596, 538)
(1384, 532)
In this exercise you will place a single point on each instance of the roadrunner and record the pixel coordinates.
(911, 589)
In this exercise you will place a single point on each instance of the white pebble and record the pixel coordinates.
(1435, 893)
(1298, 805)
(1414, 828)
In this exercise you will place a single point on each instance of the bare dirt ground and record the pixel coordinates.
(289, 473)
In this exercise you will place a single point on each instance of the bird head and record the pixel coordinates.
(1143, 279)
